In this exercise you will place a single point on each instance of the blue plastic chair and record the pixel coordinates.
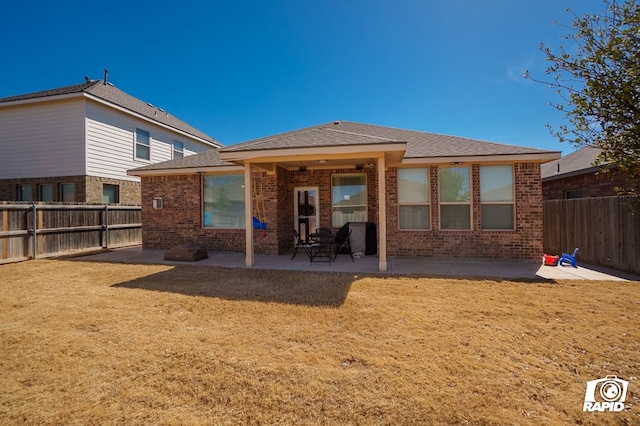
(569, 258)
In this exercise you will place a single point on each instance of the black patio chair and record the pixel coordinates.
(299, 243)
(343, 242)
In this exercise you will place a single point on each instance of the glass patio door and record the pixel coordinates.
(306, 209)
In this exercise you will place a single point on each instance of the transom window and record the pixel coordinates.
(348, 199)
(223, 201)
(143, 145)
(496, 197)
(178, 149)
(455, 197)
(413, 198)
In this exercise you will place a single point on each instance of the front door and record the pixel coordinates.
(306, 211)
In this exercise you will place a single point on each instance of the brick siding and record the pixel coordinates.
(595, 184)
(180, 221)
(88, 189)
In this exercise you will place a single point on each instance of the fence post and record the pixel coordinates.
(106, 226)
(34, 234)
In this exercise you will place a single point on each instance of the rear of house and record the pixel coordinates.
(422, 194)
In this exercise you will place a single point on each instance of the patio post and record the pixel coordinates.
(382, 214)
(248, 214)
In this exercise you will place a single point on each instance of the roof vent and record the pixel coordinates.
(87, 79)
(335, 123)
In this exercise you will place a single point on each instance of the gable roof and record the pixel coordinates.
(577, 163)
(355, 142)
(419, 144)
(112, 95)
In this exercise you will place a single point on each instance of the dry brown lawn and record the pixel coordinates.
(100, 343)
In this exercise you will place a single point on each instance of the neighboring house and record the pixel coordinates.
(427, 194)
(76, 143)
(576, 175)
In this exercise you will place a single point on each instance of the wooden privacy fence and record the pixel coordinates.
(30, 231)
(606, 229)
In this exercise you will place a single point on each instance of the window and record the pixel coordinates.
(143, 145)
(110, 194)
(455, 198)
(413, 198)
(223, 201)
(571, 194)
(496, 197)
(45, 192)
(25, 193)
(178, 149)
(348, 199)
(68, 192)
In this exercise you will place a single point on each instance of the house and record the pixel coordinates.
(424, 194)
(577, 175)
(76, 143)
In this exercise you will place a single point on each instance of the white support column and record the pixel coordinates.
(248, 214)
(382, 214)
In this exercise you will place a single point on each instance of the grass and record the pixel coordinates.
(99, 343)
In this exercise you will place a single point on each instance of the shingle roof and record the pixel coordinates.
(578, 162)
(209, 158)
(419, 144)
(112, 94)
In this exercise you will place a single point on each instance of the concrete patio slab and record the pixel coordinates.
(493, 268)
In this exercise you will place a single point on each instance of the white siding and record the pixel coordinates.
(41, 140)
(111, 144)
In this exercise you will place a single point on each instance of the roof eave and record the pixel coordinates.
(184, 171)
(542, 157)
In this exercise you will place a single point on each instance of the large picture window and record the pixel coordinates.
(413, 198)
(496, 196)
(348, 199)
(223, 201)
(455, 198)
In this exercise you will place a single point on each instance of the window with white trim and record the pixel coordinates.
(223, 201)
(496, 197)
(413, 198)
(348, 198)
(178, 149)
(455, 198)
(143, 145)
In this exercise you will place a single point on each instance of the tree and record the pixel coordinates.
(598, 80)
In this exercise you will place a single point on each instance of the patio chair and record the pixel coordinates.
(324, 231)
(569, 258)
(299, 243)
(343, 242)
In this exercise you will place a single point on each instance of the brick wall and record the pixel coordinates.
(525, 242)
(180, 221)
(88, 189)
(598, 184)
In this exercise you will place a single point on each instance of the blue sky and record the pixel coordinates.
(240, 70)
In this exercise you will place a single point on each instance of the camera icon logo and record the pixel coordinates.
(606, 394)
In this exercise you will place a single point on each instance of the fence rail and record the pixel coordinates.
(606, 229)
(30, 231)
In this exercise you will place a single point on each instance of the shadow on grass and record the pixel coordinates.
(269, 286)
